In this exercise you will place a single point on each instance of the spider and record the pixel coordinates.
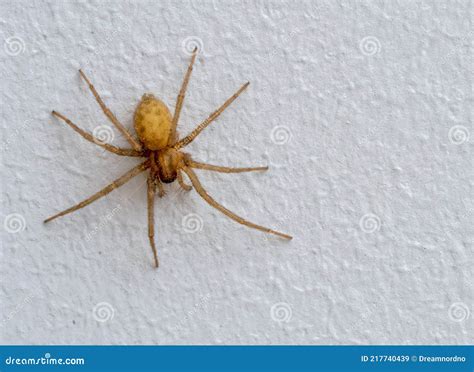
(159, 144)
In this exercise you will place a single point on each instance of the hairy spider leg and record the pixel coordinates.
(109, 188)
(183, 185)
(202, 192)
(135, 144)
(151, 216)
(180, 98)
(91, 138)
(190, 137)
(218, 168)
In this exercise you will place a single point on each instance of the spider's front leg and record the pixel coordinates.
(181, 182)
(203, 193)
(161, 189)
(151, 215)
(106, 190)
(154, 177)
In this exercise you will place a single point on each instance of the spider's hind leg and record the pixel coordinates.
(125, 132)
(180, 98)
(190, 137)
(89, 137)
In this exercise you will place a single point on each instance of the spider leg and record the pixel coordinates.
(190, 137)
(115, 184)
(90, 138)
(180, 98)
(203, 193)
(161, 189)
(217, 168)
(183, 184)
(135, 144)
(151, 216)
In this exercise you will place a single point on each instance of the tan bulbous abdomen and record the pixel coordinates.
(152, 121)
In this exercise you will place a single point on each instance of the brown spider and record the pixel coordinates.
(159, 144)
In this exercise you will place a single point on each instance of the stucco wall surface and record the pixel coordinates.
(362, 110)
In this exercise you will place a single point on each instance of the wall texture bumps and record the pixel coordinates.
(362, 110)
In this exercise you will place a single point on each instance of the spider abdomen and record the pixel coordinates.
(152, 121)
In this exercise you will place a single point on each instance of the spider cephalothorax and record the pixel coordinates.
(159, 144)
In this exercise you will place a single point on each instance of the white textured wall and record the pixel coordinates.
(363, 110)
